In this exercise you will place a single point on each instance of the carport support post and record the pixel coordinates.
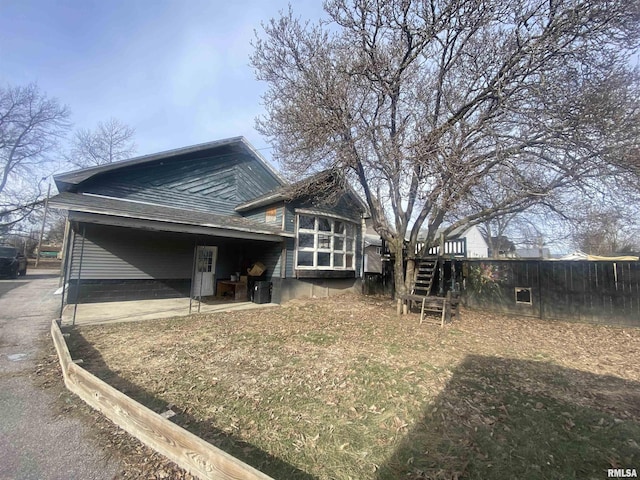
(201, 277)
(75, 306)
(66, 263)
(192, 289)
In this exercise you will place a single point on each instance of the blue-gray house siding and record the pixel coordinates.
(213, 184)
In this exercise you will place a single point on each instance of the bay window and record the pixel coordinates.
(325, 243)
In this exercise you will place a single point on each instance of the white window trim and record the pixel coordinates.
(332, 235)
(330, 216)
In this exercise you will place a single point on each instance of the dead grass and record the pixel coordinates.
(342, 388)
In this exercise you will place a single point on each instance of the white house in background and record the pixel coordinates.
(533, 253)
(465, 242)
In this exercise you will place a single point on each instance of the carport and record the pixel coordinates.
(128, 253)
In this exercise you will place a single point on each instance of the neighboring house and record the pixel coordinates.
(178, 222)
(464, 242)
(372, 253)
(501, 247)
(373, 249)
(533, 252)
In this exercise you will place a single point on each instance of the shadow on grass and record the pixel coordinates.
(250, 454)
(503, 418)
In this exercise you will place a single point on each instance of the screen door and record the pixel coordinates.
(204, 281)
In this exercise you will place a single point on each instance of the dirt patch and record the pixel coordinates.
(343, 388)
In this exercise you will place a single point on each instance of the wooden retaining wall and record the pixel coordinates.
(177, 444)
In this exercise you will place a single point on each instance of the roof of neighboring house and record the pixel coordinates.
(579, 255)
(66, 181)
(371, 239)
(533, 252)
(97, 204)
(456, 233)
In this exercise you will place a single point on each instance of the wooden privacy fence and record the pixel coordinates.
(605, 292)
(177, 444)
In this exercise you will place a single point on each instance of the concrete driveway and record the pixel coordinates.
(36, 442)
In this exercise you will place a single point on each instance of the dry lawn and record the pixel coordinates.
(344, 389)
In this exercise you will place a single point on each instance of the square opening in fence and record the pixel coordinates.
(523, 295)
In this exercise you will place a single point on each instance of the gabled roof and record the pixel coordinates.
(292, 191)
(96, 204)
(456, 233)
(65, 181)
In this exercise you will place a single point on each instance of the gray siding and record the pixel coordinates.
(345, 207)
(120, 253)
(291, 250)
(260, 215)
(212, 184)
(289, 218)
(116, 253)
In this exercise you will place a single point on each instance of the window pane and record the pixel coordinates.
(305, 240)
(324, 225)
(350, 229)
(305, 259)
(349, 244)
(306, 222)
(338, 260)
(339, 227)
(349, 261)
(324, 241)
(338, 243)
(324, 259)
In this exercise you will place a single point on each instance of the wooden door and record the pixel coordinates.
(204, 280)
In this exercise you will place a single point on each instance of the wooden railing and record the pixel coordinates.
(189, 451)
(456, 248)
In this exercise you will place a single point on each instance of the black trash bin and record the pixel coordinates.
(262, 292)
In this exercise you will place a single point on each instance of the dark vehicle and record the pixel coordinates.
(12, 262)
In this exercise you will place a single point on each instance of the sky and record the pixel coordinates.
(176, 71)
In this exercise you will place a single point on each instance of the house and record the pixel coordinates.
(372, 253)
(197, 221)
(533, 252)
(501, 247)
(465, 242)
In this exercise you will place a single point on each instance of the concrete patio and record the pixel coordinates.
(132, 311)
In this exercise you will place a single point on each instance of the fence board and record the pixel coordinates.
(179, 445)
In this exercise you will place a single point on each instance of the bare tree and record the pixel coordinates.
(31, 125)
(109, 142)
(426, 104)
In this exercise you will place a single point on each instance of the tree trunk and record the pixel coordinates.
(410, 274)
(397, 249)
(398, 274)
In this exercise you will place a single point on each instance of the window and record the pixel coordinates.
(271, 215)
(523, 295)
(325, 243)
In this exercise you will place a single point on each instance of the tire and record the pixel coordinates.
(14, 273)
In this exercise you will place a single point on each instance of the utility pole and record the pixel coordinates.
(44, 219)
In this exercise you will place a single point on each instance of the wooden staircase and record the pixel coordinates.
(425, 273)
